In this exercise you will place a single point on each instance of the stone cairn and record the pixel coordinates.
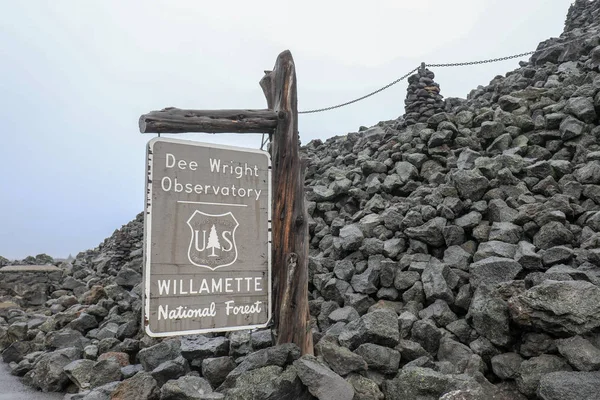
(423, 99)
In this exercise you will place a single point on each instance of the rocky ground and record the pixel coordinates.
(456, 258)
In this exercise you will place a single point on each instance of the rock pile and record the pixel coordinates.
(457, 258)
(423, 99)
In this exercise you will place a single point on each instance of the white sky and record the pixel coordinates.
(76, 75)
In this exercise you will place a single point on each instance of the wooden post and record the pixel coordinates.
(289, 226)
(290, 222)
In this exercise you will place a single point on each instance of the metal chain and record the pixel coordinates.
(361, 98)
(491, 60)
(456, 64)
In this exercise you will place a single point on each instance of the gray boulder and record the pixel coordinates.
(321, 381)
(152, 357)
(489, 315)
(493, 270)
(48, 373)
(416, 383)
(364, 388)
(552, 234)
(431, 232)
(470, 184)
(569, 385)
(580, 353)
(379, 326)
(532, 370)
(341, 360)
(351, 237)
(571, 307)
(379, 358)
(507, 365)
(215, 370)
(186, 388)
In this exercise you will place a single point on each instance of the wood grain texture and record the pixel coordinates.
(175, 120)
(289, 219)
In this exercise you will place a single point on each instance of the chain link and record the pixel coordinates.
(363, 97)
(491, 60)
(456, 64)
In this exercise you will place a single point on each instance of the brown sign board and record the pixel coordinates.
(207, 251)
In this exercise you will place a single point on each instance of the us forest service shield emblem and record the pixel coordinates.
(212, 240)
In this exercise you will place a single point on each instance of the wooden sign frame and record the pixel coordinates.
(291, 318)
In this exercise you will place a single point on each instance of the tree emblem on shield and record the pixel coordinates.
(212, 240)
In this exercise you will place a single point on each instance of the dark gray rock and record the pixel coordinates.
(366, 282)
(341, 360)
(552, 234)
(507, 365)
(552, 307)
(535, 344)
(491, 129)
(489, 315)
(430, 232)
(197, 348)
(527, 256)
(580, 353)
(455, 353)
(186, 388)
(104, 372)
(322, 382)
(469, 220)
(379, 326)
(557, 255)
(435, 279)
(239, 343)
(130, 370)
(411, 350)
(215, 370)
(470, 184)
(499, 211)
(379, 358)
(406, 279)
(535, 368)
(364, 388)
(496, 249)
(406, 172)
(351, 237)
(417, 383)
(569, 385)
(48, 373)
(439, 312)
(279, 356)
(344, 270)
(269, 383)
(493, 270)
(171, 369)
(80, 373)
(588, 173)
(582, 108)
(140, 386)
(506, 232)
(152, 357)
(571, 128)
(83, 323)
(426, 334)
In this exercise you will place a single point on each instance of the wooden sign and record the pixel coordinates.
(208, 254)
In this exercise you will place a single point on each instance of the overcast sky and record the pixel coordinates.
(76, 75)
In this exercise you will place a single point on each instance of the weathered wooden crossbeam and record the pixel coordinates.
(175, 120)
